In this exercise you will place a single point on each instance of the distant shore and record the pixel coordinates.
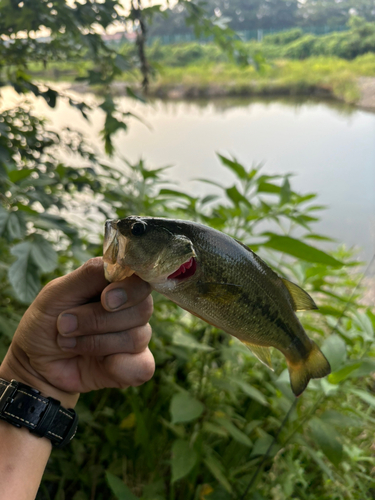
(352, 82)
(365, 88)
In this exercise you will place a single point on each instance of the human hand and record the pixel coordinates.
(110, 342)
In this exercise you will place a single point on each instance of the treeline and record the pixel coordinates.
(267, 14)
(290, 44)
(295, 44)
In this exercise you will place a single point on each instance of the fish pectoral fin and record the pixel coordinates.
(261, 352)
(301, 299)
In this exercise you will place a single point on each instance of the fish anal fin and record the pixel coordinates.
(301, 299)
(261, 352)
(315, 365)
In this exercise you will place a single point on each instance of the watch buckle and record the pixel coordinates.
(7, 396)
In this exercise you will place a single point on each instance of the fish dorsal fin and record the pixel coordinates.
(301, 299)
(261, 352)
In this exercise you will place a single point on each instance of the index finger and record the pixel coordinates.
(125, 293)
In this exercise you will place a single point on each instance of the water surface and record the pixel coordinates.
(330, 147)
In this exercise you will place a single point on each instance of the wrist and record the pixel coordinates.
(14, 368)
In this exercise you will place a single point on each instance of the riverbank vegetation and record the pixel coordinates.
(320, 76)
(286, 63)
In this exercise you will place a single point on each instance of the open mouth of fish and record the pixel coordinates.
(114, 250)
(185, 271)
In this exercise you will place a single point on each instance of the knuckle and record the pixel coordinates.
(90, 265)
(146, 368)
(146, 308)
(98, 320)
(140, 338)
(90, 344)
(49, 288)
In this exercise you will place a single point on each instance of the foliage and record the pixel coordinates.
(283, 37)
(269, 14)
(323, 76)
(358, 40)
(203, 424)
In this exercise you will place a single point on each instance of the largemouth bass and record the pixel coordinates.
(220, 280)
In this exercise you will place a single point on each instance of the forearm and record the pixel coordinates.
(23, 458)
(23, 455)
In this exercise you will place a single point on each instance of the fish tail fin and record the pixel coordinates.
(315, 365)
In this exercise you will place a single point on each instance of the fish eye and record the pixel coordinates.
(138, 228)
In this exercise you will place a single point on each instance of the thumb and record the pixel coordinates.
(73, 289)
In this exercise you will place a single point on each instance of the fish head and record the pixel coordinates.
(147, 247)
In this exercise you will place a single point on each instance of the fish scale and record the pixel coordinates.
(230, 287)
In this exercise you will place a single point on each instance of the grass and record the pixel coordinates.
(322, 76)
(316, 75)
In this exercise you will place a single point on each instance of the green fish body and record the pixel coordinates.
(220, 280)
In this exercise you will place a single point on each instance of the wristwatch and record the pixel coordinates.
(23, 406)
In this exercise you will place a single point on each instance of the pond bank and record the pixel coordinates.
(364, 91)
(367, 91)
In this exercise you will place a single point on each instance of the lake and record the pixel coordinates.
(329, 146)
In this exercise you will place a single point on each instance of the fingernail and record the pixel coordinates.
(116, 298)
(68, 323)
(66, 342)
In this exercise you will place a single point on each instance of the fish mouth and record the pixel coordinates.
(185, 271)
(114, 246)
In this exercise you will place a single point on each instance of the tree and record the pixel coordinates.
(333, 13)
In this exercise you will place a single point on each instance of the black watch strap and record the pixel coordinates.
(23, 406)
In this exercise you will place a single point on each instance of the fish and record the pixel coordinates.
(220, 280)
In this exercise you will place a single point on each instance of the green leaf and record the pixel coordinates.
(343, 374)
(18, 175)
(236, 167)
(49, 221)
(175, 194)
(119, 488)
(16, 226)
(267, 187)
(251, 391)
(331, 311)
(184, 339)
(365, 396)
(184, 457)
(185, 408)
(234, 195)
(328, 439)
(334, 348)
(318, 237)
(298, 249)
(7, 326)
(319, 461)
(262, 444)
(43, 254)
(4, 216)
(236, 433)
(285, 192)
(338, 419)
(217, 470)
(365, 325)
(214, 429)
(12, 225)
(23, 274)
(367, 366)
